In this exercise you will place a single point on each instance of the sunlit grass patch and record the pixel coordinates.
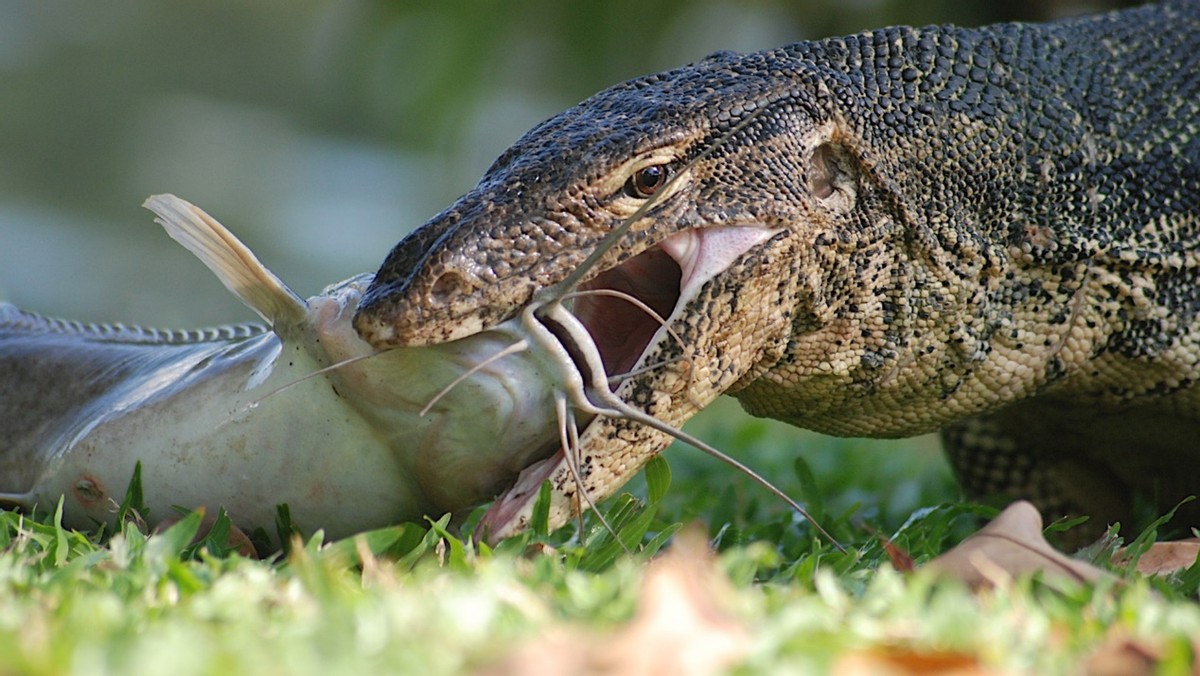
(423, 597)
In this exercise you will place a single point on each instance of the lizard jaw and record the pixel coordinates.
(664, 278)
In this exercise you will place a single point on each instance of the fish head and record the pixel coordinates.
(465, 417)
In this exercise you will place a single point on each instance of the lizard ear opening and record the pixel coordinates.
(832, 177)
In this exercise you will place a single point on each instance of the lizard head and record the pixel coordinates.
(697, 192)
(711, 145)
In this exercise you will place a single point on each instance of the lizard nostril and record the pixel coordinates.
(445, 287)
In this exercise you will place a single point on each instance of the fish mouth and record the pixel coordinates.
(627, 311)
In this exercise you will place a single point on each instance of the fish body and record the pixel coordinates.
(233, 417)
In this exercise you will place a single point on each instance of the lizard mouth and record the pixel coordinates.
(664, 279)
(620, 328)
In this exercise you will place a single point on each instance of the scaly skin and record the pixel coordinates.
(990, 232)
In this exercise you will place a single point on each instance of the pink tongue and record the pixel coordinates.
(705, 252)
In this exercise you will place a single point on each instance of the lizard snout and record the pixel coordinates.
(412, 312)
(422, 297)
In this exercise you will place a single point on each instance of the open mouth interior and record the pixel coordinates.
(663, 278)
(621, 329)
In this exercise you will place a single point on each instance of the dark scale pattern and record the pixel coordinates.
(997, 225)
(16, 322)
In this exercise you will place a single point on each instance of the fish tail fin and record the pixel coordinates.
(231, 261)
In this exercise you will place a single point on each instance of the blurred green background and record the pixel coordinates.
(319, 132)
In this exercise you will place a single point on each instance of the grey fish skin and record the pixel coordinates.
(218, 418)
(60, 379)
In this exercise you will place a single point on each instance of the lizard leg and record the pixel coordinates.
(996, 462)
(1125, 464)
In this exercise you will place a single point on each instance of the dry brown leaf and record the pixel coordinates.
(901, 661)
(1123, 656)
(1164, 558)
(679, 627)
(901, 560)
(1011, 545)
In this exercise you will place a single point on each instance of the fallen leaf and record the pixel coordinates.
(1122, 656)
(902, 661)
(901, 559)
(1164, 558)
(679, 627)
(1011, 545)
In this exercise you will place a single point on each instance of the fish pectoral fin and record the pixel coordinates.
(231, 261)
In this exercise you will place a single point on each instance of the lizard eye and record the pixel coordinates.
(647, 180)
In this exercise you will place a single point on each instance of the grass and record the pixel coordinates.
(418, 598)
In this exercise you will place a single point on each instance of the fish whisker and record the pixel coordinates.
(309, 376)
(569, 437)
(587, 384)
(651, 312)
(621, 377)
(515, 348)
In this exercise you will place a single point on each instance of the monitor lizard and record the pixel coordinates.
(991, 232)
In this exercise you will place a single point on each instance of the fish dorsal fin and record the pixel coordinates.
(231, 261)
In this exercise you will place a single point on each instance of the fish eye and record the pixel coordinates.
(648, 180)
